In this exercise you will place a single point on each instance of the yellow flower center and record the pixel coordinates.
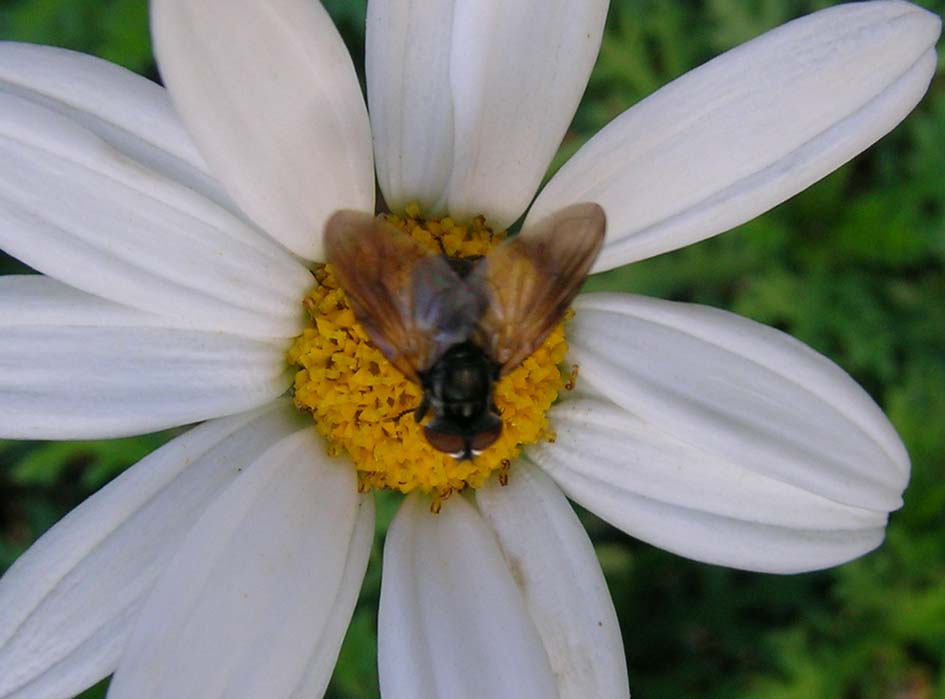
(362, 405)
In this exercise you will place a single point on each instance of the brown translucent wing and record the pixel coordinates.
(531, 280)
(409, 301)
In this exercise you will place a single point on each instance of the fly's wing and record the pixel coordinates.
(409, 301)
(530, 281)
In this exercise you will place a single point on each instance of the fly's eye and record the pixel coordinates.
(448, 443)
(485, 439)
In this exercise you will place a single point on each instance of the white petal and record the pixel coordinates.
(122, 393)
(452, 622)
(408, 80)
(32, 299)
(87, 382)
(554, 565)
(469, 101)
(322, 660)
(77, 208)
(270, 95)
(695, 503)
(517, 72)
(744, 132)
(67, 605)
(608, 444)
(742, 391)
(129, 112)
(248, 599)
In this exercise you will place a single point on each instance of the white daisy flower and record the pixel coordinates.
(228, 562)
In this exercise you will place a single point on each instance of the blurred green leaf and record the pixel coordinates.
(116, 30)
(97, 461)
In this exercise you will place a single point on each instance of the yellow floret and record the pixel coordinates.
(363, 406)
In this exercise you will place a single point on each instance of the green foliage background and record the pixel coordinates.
(855, 267)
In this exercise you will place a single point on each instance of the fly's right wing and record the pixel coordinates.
(530, 280)
(409, 300)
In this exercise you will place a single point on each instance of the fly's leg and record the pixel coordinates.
(419, 412)
(422, 409)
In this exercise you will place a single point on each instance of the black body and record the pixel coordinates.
(458, 389)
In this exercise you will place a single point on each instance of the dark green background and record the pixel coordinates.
(855, 267)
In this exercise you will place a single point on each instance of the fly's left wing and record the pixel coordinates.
(531, 280)
(409, 301)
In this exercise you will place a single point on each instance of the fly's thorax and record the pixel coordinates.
(365, 408)
(461, 379)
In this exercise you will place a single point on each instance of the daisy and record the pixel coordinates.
(178, 245)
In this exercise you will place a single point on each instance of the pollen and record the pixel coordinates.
(364, 407)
